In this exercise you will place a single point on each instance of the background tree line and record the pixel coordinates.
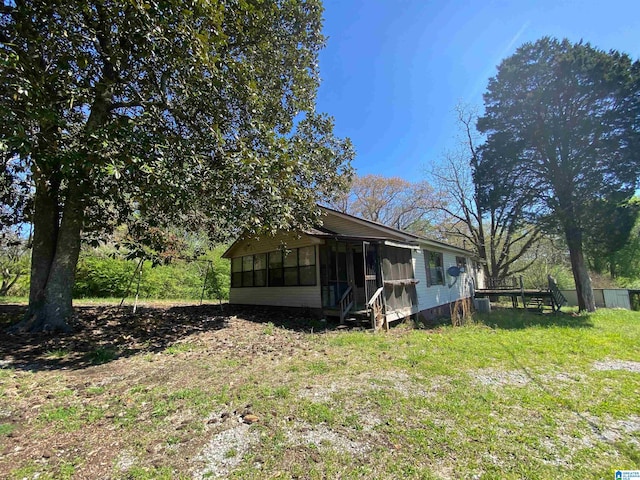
(112, 270)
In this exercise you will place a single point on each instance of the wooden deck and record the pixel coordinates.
(537, 298)
(552, 297)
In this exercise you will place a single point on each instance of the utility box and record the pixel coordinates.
(483, 305)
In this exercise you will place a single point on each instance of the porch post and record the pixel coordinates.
(384, 296)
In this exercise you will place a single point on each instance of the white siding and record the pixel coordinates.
(308, 296)
(436, 295)
(277, 296)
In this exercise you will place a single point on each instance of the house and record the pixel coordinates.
(351, 267)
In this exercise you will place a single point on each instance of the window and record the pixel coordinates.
(276, 275)
(461, 263)
(307, 266)
(434, 265)
(260, 270)
(298, 267)
(295, 267)
(236, 272)
(249, 271)
(291, 267)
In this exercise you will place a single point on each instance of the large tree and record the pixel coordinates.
(563, 131)
(495, 227)
(162, 112)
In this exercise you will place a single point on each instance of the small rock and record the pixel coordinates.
(250, 418)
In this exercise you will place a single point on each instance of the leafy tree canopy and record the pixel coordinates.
(609, 230)
(563, 131)
(198, 113)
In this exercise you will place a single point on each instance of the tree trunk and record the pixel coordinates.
(45, 234)
(55, 257)
(59, 292)
(584, 290)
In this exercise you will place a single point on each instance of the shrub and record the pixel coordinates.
(102, 276)
(99, 275)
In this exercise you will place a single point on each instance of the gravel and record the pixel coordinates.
(627, 365)
(225, 451)
(324, 438)
(499, 378)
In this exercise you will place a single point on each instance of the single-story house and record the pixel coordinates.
(350, 267)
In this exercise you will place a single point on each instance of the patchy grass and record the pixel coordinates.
(57, 353)
(101, 355)
(6, 429)
(179, 348)
(189, 394)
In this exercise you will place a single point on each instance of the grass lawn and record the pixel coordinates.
(200, 392)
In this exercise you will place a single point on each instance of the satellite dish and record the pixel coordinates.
(453, 271)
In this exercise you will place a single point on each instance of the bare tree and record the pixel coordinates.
(495, 228)
(391, 201)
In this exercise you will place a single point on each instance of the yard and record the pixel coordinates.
(200, 392)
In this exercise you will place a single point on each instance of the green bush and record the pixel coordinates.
(219, 278)
(21, 287)
(103, 276)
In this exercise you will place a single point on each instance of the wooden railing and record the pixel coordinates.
(557, 298)
(346, 303)
(376, 309)
(508, 283)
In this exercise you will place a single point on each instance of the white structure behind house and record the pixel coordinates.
(604, 298)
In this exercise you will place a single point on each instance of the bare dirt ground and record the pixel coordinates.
(124, 386)
(152, 329)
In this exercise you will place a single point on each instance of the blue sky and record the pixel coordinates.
(393, 70)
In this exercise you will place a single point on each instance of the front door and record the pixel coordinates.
(333, 272)
(371, 269)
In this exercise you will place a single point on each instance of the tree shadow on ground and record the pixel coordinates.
(105, 333)
(295, 319)
(101, 334)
